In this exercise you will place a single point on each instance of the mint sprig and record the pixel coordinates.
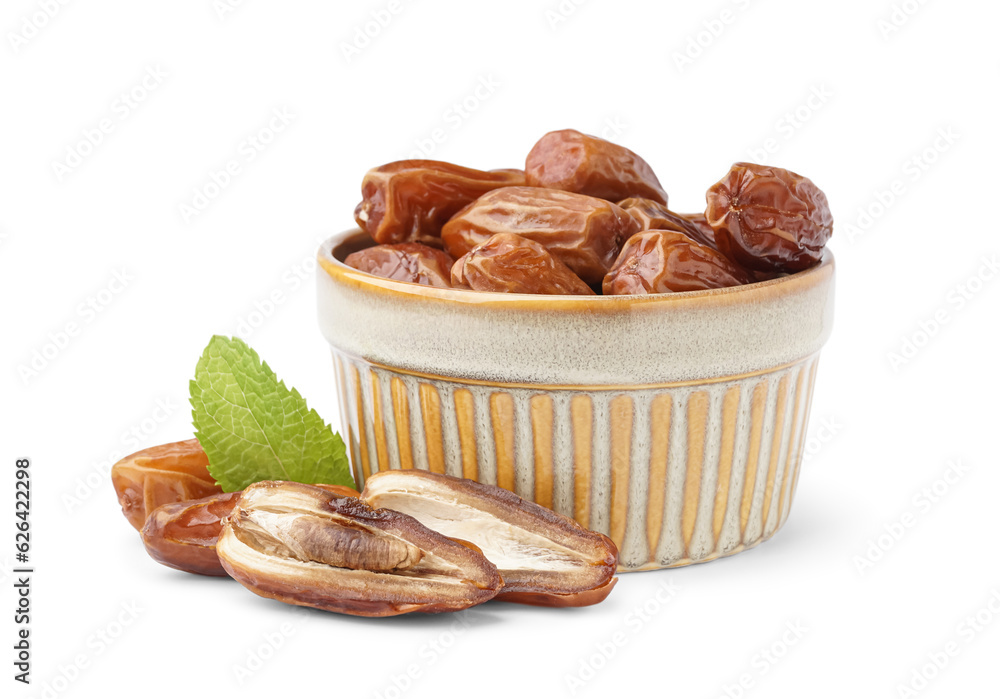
(254, 428)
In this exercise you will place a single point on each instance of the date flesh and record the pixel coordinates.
(544, 558)
(576, 162)
(405, 262)
(299, 544)
(656, 262)
(160, 475)
(509, 263)
(769, 219)
(584, 232)
(653, 216)
(409, 200)
(182, 535)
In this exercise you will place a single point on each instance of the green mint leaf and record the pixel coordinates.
(254, 428)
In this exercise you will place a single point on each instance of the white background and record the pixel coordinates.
(882, 95)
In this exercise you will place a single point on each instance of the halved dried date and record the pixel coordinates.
(544, 558)
(576, 162)
(297, 544)
(769, 219)
(183, 535)
(516, 265)
(584, 232)
(409, 200)
(655, 262)
(160, 475)
(653, 216)
(405, 262)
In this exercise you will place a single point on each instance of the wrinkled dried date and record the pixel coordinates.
(516, 265)
(582, 231)
(575, 162)
(409, 200)
(405, 262)
(655, 262)
(544, 557)
(160, 475)
(769, 219)
(297, 544)
(653, 216)
(183, 535)
(704, 227)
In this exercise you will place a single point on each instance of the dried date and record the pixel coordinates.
(584, 232)
(545, 558)
(160, 475)
(182, 535)
(509, 263)
(297, 544)
(769, 219)
(576, 162)
(653, 216)
(655, 262)
(405, 262)
(409, 200)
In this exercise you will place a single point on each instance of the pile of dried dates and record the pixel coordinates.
(413, 541)
(585, 216)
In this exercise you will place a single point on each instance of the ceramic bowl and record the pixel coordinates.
(673, 423)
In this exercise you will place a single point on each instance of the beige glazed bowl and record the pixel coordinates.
(673, 423)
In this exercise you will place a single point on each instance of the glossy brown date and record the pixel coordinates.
(576, 162)
(409, 200)
(160, 475)
(654, 262)
(405, 262)
(769, 219)
(182, 535)
(653, 216)
(509, 263)
(584, 232)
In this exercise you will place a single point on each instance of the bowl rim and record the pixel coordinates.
(400, 290)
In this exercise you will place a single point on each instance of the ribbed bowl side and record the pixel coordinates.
(674, 474)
